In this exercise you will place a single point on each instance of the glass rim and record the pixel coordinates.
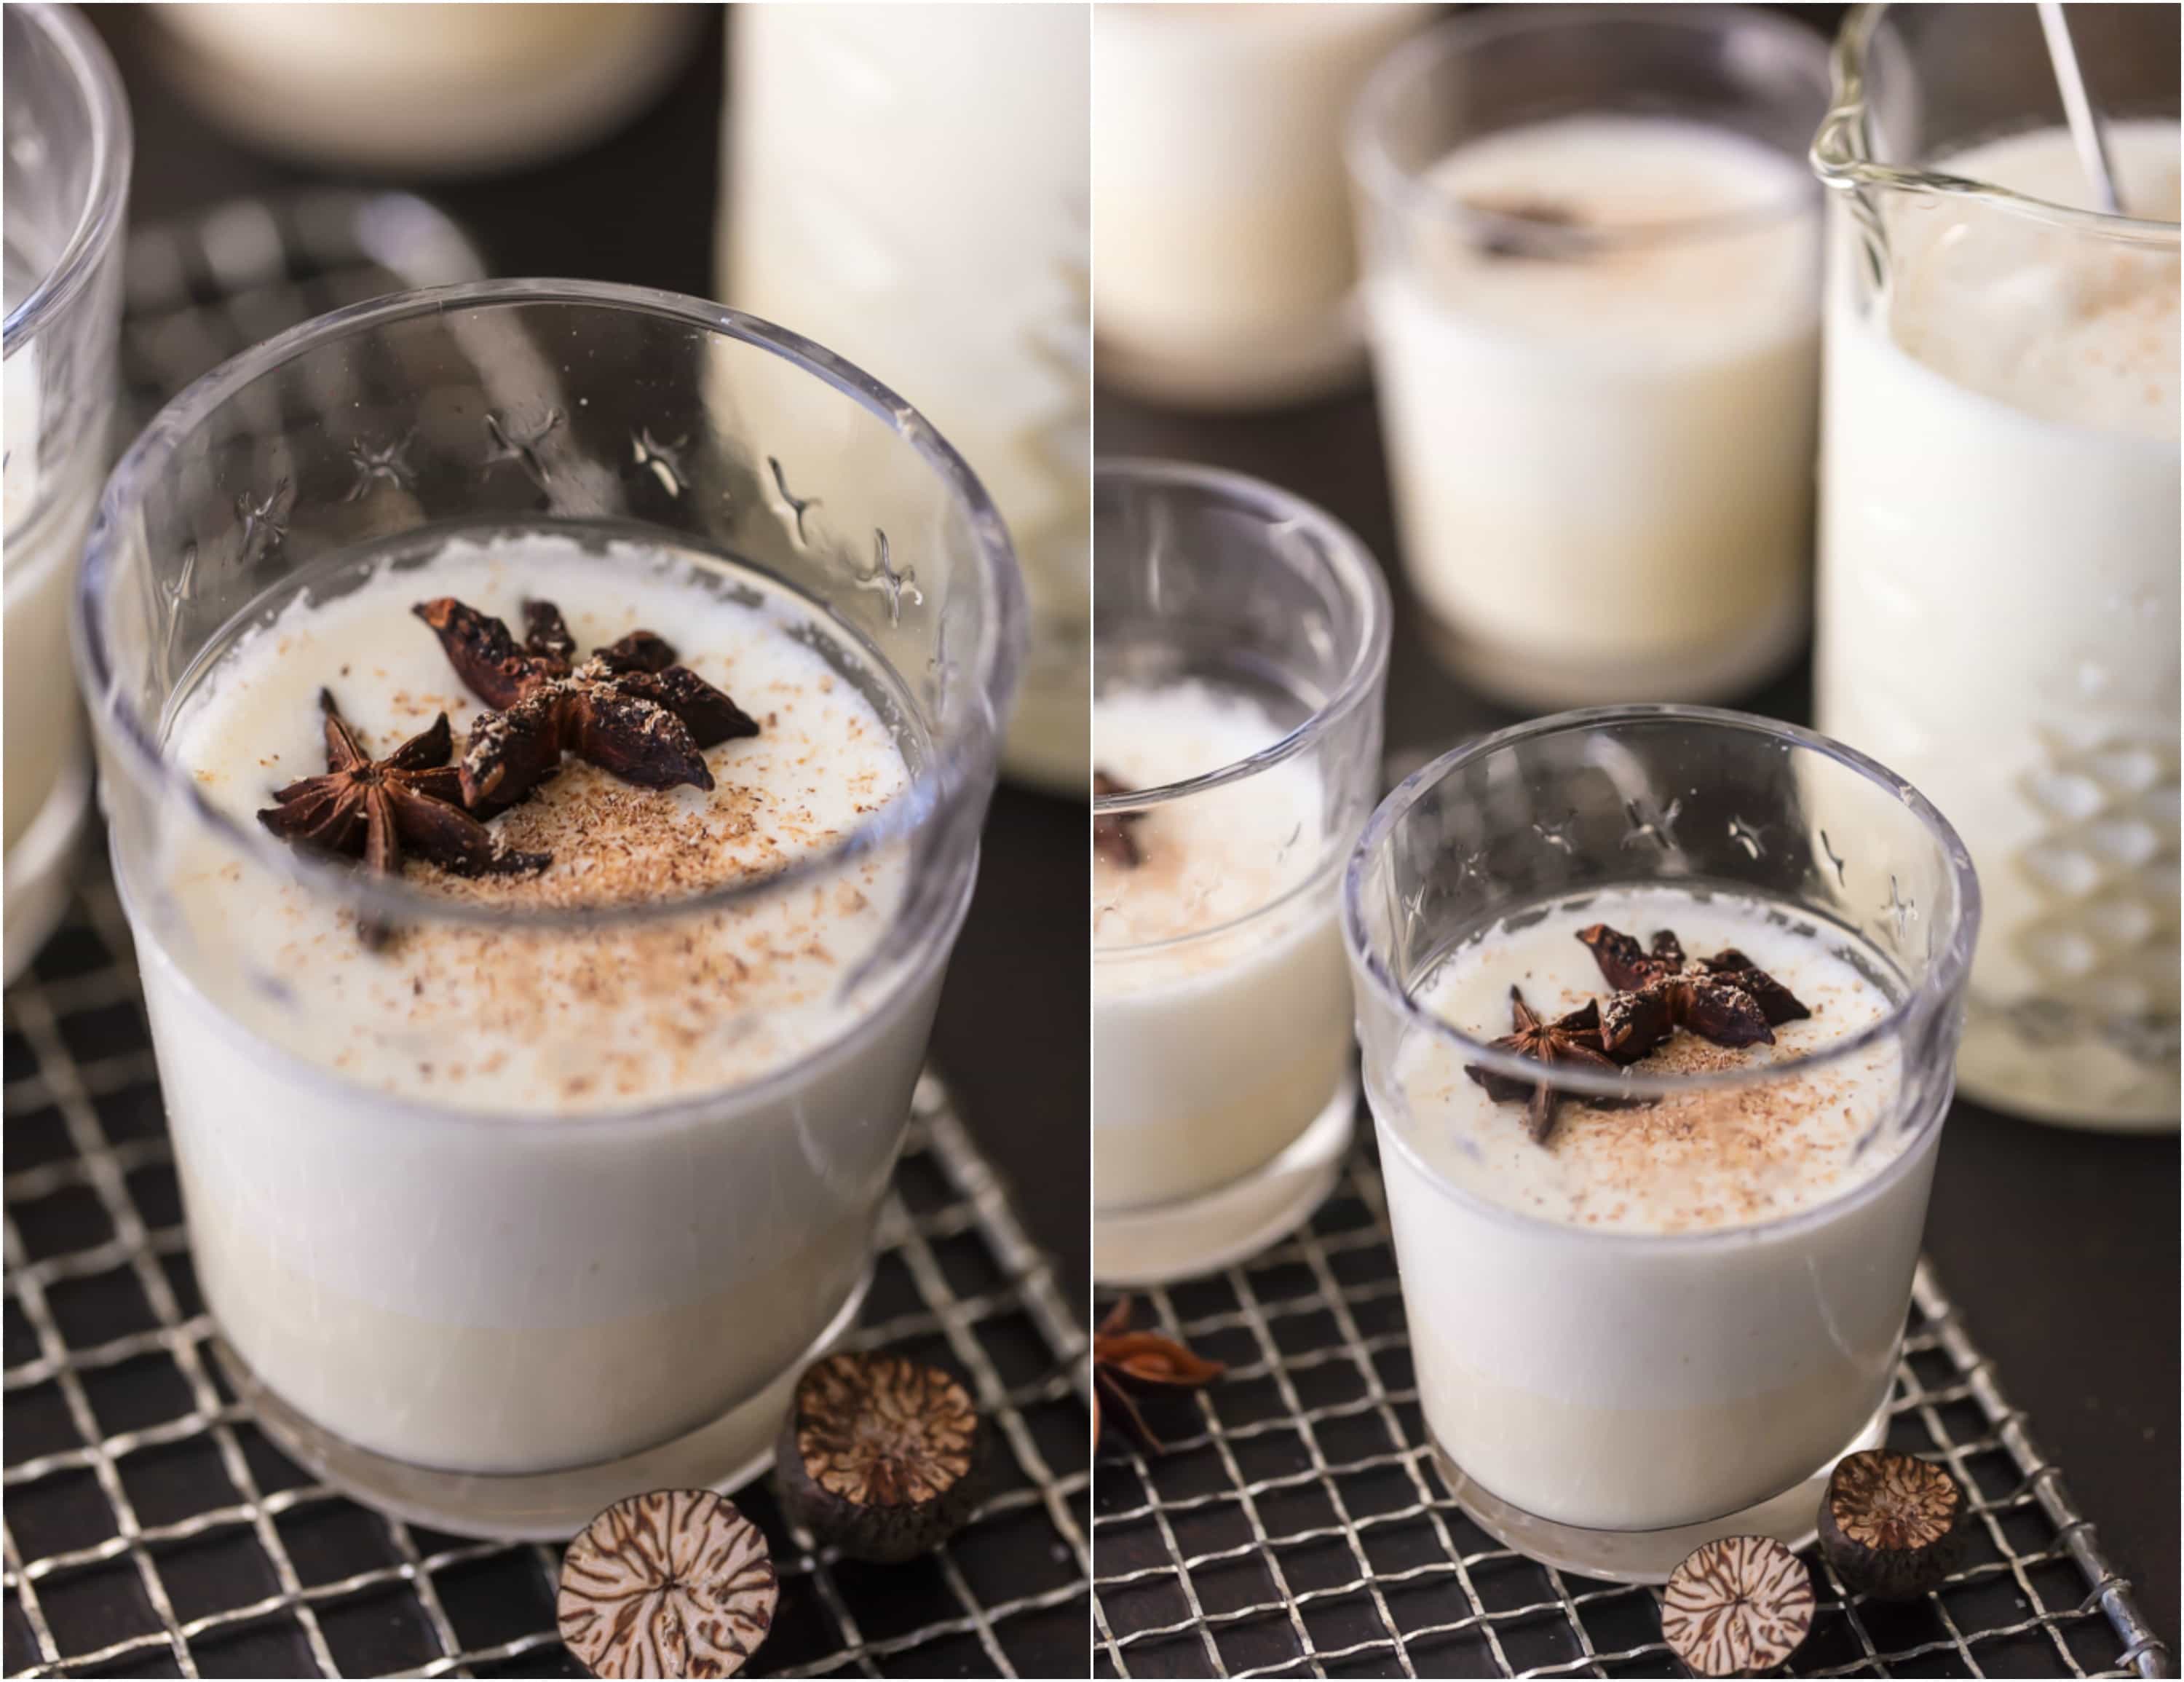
(1842, 160)
(98, 224)
(964, 764)
(1944, 980)
(1407, 191)
(1356, 572)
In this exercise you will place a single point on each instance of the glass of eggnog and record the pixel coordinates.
(546, 728)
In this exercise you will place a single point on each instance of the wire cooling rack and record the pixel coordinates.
(151, 1530)
(1300, 1530)
(196, 289)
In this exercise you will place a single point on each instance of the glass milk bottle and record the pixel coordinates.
(907, 185)
(1227, 273)
(1999, 556)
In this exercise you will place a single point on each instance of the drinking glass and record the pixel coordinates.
(1607, 1399)
(1591, 257)
(1223, 1085)
(68, 156)
(1227, 269)
(498, 1322)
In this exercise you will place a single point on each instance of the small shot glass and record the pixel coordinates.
(1240, 655)
(67, 187)
(1591, 251)
(1667, 1321)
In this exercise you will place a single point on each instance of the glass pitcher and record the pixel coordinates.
(1999, 556)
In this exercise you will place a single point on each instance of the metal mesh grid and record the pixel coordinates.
(1298, 1529)
(152, 1529)
(199, 289)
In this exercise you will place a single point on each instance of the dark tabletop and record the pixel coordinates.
(640, 208)
(2059, 1247)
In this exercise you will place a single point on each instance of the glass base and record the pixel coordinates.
(1524, 679)
(1301, 363)
(40, 867)
(723, 1454)
(1791, 1518)
(1204, 1234)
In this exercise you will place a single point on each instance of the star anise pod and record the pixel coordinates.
(1572, 1040)
(1123, 1360)
(630, 709)
(373, 809)
(1110, 835)
(1513, 238)
(1725, 999)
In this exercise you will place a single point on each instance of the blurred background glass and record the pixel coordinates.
(1227, 272)
(68, 159)
(1592, 252)
(428, 91)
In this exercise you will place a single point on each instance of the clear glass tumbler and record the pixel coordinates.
(1606, 1381)
(1592, 267)
(491, 1318)
(68, 156)
(1999, 556)
(1240, 655)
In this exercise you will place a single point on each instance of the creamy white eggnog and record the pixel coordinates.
(1220, 1004)
(1597, 357)
(1998, 596)
(492, 1197)
(1221, 219)
(1659, 1314)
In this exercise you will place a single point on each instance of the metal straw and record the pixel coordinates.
(2085, 124)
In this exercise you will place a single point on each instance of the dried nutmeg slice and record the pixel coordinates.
(1892, 1525)
(1738, 1607)
(676, 1583)
(880, 1455)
